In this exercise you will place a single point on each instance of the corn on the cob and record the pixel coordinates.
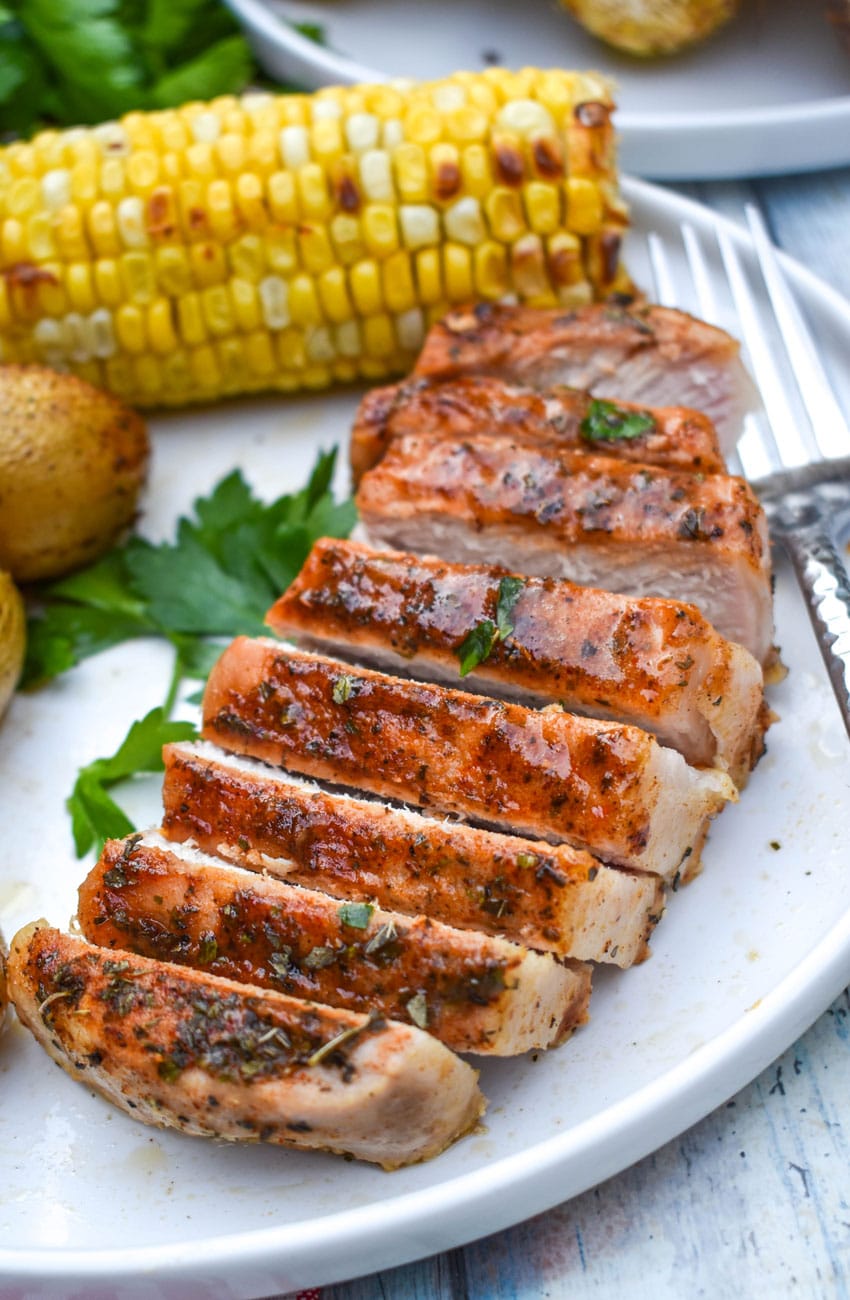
(292, 241)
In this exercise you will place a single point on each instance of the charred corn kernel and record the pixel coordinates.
(161, 326)
(246, 304)
(333, 295)
(491, 270)
(398, 283)
(190, 319)
(130, 328)
(429, 280)
(584, 205)
(365, 282)
(287, 241)
(79, 288)
(457, 269)
(505, 214)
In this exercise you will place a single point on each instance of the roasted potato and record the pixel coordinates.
(651, 27)
(13, 625)
(72, 462)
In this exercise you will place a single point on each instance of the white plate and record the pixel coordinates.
(745, 959)
(769, 93)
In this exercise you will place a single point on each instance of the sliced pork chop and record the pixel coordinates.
(601, 786)
(655, 663)
(636, 529)
(546, 896)
(472, 404)
(652, 355)
(474, 992)
(184, 1049)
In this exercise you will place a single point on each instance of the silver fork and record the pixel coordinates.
(800, 468)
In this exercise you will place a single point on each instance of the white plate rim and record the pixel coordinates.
(357, 1241)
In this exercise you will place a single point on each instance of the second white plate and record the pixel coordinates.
(770, 93)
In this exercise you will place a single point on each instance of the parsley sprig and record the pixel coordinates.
(607, 422)
(478, 644)
(230, 560)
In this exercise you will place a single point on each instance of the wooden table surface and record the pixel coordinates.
(754, 1201)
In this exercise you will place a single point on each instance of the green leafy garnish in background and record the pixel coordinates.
(81, 61)
(607, 422)
(478, 643)
(230, 561)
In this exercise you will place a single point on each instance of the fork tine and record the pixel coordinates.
(790, 444)
(828, 423)
(665, 289)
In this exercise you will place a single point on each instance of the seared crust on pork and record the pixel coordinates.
(601, 786)
(547, 896)
(473, 992)
(655, 663)
(184, 1049)
(471, 404)
(656, 356)
(637, 529)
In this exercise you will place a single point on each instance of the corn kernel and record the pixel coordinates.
(528, 268)
(205, 369)
(78, 286)
(14, 245)
(217, 307)
(142, 172)
(379, 336)
(429, 276)
(250, 201)
(563, 258)
(192, 205)
(230, 151)
(49, 341)
(161, 215)
(173, 275)
(259, 356)
(315, 249)
(399, 289)
(365, 284)
(422, 124)
(466, 124)
(190, 319)
(102, 334)
(362, 131)
(346, 238)
(56, 189)
(137, 274)
(281, 250)
(23, 197)
(491, 270)
(505, 214)
(40, 242)
(51, 299)
(274, 302)
(411, 173)
(119, 375)
(347, 337)
(219, 206)
(84, 188)
(161, 326)
(420, 225)
(304, 301)
(476, 173)
(112, 183)
(584, 205)
(446, 179)
(464, 222)
(410, 329)
(208, 264)
(246, 304)
(320, 346)
(201, 162)
(177, 382)
(376, 176)
(326, 142)
(457, 270)
(130, 328)
(283, 198)
(333, 294)
(130, 219)
(315, 200)
(294, 147)
(107, 282)
(290, 349)
(542, 207)
(380, 231)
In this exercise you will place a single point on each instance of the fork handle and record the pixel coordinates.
(826, 590)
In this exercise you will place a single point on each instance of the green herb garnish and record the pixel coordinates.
(478, 644)
(356, 915)
(230, 561)
(342, 688)
(417, 1009)
(607, 422)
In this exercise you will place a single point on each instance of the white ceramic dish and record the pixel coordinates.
(746, 958)
(770, 93)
